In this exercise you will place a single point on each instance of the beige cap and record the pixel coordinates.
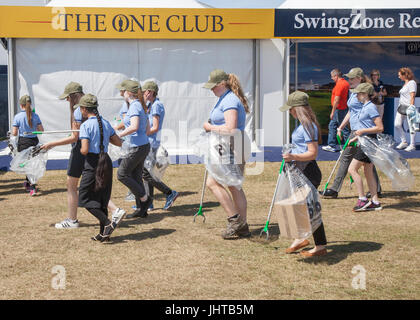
(295, 99)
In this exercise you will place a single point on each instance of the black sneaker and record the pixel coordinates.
(329, 193)
(135, 214)
(362, 205)
(108, 231)
(368, 195)
(144, 207)
(373, 207)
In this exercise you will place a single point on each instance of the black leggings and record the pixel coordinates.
(25, 143)
(102, 216)
(314, 175)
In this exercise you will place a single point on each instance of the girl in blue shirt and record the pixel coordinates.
(26, 121)
(156, 114)
(306, 137)
(228, 117)
(136, 128)
(96, 182)
(369, 123)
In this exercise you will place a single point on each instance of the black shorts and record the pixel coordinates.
(76, 161)
(25, 143)
(360, 155)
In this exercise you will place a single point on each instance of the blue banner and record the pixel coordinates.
(344, 23)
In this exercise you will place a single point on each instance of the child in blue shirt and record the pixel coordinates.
(369, 123)
(96, 183)
(26, 121)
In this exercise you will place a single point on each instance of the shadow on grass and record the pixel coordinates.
(160, 196)
(260, 236)
(154, 233)
(49, 191)
(399, 194)
(340, 250)
(182, 210)
(12, 186)
(409, 206)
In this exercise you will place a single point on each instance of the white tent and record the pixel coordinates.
(42, 67)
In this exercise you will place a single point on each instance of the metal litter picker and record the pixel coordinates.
(200, 210)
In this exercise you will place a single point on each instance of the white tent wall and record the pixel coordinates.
(44, 66)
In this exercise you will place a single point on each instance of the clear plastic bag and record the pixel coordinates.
(389, 161)
(220, 157)
(31, 162)
(413, 119)
(116, 153)
(12, 144)
(157, 162)
(297, 205)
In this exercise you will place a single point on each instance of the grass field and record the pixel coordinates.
(167, 256)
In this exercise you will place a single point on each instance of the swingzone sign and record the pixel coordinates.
(169, 23)
(52, 22)
(347, 23)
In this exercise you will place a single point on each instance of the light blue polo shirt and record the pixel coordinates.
(301, 138)
(138, 138)
(90, 130)
(227, 102)
(355, 106)
(123, 110)
(366, 115)
(77, 114)
(21, 122)
(156, 109)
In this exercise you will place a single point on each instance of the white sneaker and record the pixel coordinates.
(410, 148)
(402, 145)
(329, 148)
(118, 215)
(67, 224)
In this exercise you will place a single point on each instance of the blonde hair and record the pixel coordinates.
(407, 73)
(307, 118)
(28, 110)
(233, 84)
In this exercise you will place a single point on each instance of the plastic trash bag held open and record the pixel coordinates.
(32, 162)
(156, 163)
(223, 156)
(388, 160)
(297, 205)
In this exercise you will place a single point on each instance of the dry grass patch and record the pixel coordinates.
(167, 256)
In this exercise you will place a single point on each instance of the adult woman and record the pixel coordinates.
(228, 117)
(136, 128)
(26, 121)
(370, 123)
(379, 91)
(96, 183)
(73, 92)
(407, 97)
(156, 114)
(306, 138)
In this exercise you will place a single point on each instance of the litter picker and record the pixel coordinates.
(339, 142)
(200, 211)
(46, 132)
(272, 203)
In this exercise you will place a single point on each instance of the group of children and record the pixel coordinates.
(141, 124)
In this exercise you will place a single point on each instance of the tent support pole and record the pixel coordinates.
(256, 85)
(11, 55)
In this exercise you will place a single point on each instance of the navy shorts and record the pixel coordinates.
(76, 161)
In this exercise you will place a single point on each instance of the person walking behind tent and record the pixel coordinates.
(73, 92)
(156, 114)
(407, 97)
(339, 110)
(96, 182)
(370, 123)
(306, 138)
(228, 116)
(26, 121)
(355, 76)
(380, 91)
(136, 128)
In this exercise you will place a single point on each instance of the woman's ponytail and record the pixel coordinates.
(28, 110)
(234, 85)
(104, 168)
(141, 99)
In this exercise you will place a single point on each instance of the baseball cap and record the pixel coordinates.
(216, 76)
(88, 101)
(295, 99)
(150, 85)
(355, 72)
(121, 85)
(24, 99)
(72, 87)
(131, 86)
(364, 88)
